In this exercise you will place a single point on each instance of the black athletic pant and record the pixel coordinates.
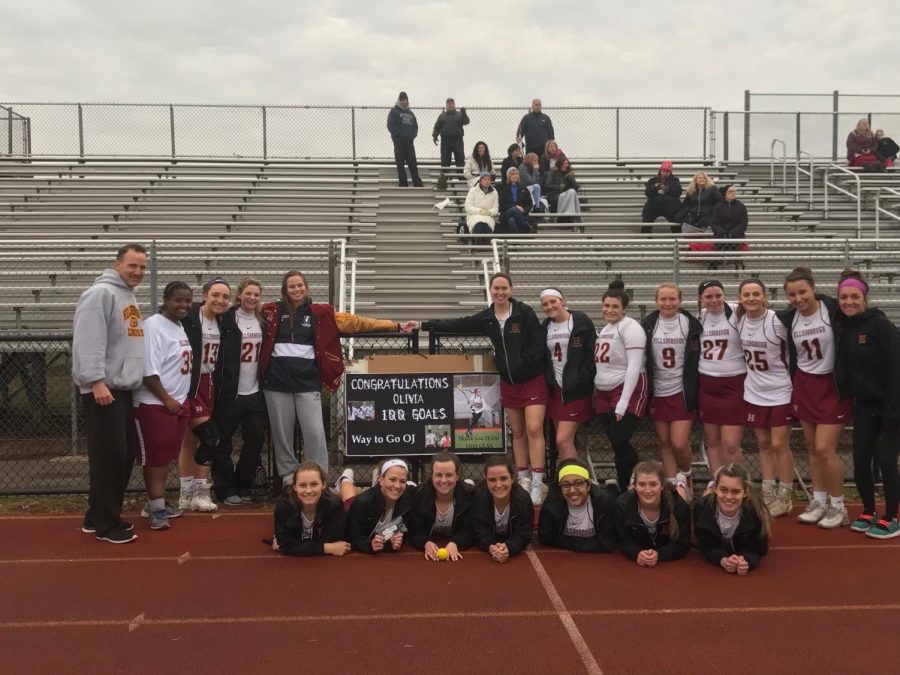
(452, 146)
(248, 412)
(405, 153)
(474, 420)
(110, 434)
(875, 442)
(655, 208)
(619, 434)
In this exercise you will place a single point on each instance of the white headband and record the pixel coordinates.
(552, 292)
(391, 463)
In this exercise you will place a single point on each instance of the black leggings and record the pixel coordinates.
(619, 434)
(873, 443)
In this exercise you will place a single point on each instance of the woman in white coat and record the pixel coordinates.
(482, 206)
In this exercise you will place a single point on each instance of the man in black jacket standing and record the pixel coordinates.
(449, 127)
(537, 129)
(404, 128)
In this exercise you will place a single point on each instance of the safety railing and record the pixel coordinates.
(879, 209)
(798, 169)
(857, 197)
(772, 158)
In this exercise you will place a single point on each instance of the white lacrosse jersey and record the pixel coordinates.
(721, 354)
(610, 353)
(764, 340)
(558, 343)
(669, 345)
(814, 339)
(168, 355)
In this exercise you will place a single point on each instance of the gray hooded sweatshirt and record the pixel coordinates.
(108, 341)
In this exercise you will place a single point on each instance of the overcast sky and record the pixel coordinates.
(492, 52)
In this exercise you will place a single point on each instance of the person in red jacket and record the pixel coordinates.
(301, 352)
(861, 144)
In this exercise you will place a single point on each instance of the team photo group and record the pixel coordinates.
(177, 387)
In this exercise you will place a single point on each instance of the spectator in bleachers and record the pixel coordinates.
(404, 128)
(561, 190)
(663, 199)
(887, 149)
(729, 219)
(449, 126)
(536, 128)
(515, 205)
(513, 158)
(478, 163)
(551, 156)
(700, 199)
(482, 206)
(861, 144)
(530, 171)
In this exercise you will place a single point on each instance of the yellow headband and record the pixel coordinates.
(573, 470)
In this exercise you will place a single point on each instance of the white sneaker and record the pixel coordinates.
(346, 474)
(834, 519)
(202, 502)
(185, 499)
(781, 505)
(686, 492)
(537, 492)
(525, 482)
(813, 514)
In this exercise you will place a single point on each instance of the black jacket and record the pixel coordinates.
(634, 536)
(521, 520)
(537, 130)
(729, 220)
(580, 368)
(523, 198)
(786, 316)
(697, 208)
(365, 512)
(507, 163)
(449, 125)
(868, 363)
(887, 149)
(424, 512)
(691, 373)
(555, 512)
(328, 525)
(747, 540)
(193, 327)
(558, 182)
(228, 367)
(402, 124)
(671, 189)
(519, 350)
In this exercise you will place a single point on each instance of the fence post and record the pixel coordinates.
(835, 98)
(798, 136)
(617, 134)
(725, 135)
(332, 265)
(746, 125)
(706, 130)
(353, 130)
(9, 113)
(172, 127)
(676, 270)
(28, 136)
(73, 414)
(80, 131)
(154, 277)
(846, 253)
(265, 135)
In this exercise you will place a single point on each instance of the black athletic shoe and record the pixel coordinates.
(118, 535)
(87, 526)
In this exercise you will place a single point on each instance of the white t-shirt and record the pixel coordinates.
(649, 524)
(728, 524)
(210, 330)
(721, 354)
(580, 522)
(430, 440)
(307, 533)
(558, 343)
(476, 403)
(814, 339)
(669, 348)
(443, 522)
(167, 354)
(501, 521)
(251, 342)
(764, 341)
(614, 341)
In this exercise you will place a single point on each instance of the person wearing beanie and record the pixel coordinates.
(449, 126)
(513, 158)
(663, 193)
(404, 128)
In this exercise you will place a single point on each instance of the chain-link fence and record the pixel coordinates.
(14, 133)
(358, 132)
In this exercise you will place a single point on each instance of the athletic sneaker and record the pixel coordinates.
(159, 520)
(864, 522)
(768, 498)
(686, 486)
(834, 519)
(346, 474)
(185, 498)
(537, 492)
(884, 529)
(525, 482)
(233, 500)
(246, 499)
(171, 511)
(781, 504)
(117, 535)
(203, 502)
(813, 514)
(87, 526)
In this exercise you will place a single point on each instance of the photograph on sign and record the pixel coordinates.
(477, 415)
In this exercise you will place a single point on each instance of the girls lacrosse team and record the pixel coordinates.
(821, 362)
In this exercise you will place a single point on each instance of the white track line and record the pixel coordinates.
(590, 663)
(142, 620)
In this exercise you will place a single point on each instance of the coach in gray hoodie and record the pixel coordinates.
(107, 365)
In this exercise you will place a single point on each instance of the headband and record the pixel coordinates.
(552, 292)
(215, 280)
(852, 282)
(709, 283)
(573, 470)
(391, 463)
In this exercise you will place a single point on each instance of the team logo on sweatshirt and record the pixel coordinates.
(861, 338)
(515, 328)
(132, 315)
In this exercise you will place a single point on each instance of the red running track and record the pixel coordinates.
(207, 596)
